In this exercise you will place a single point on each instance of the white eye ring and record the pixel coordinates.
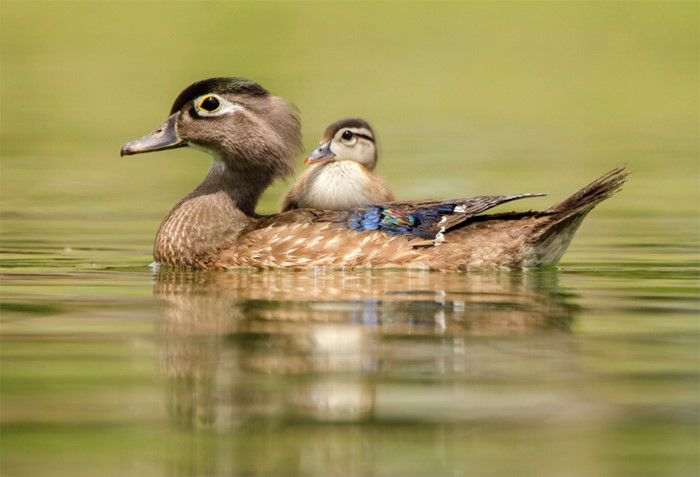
(225, 107)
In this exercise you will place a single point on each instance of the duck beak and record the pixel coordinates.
(164, 137)
(321, 154)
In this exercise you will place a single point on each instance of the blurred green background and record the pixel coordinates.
(468, 98)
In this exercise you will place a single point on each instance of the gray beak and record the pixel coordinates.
(164, 137)
(321, 154)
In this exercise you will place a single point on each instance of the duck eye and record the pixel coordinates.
(209, 104)
(347, 135)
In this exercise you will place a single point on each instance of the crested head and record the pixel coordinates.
(254, 134)
(220, 85)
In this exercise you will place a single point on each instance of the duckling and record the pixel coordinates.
(340, 176)
(254, 138)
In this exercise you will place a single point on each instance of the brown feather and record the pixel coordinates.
(507, 240)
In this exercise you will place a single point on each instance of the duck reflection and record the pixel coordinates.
(336, 346)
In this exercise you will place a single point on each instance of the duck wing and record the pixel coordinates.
(426, 219)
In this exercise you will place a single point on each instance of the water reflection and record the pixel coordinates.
(351, 346)
(252, 301)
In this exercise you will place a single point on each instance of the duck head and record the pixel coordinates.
(238, 122)
(349, 139)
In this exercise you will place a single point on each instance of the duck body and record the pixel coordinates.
(340, 173)
(437, 235)
(254, 138)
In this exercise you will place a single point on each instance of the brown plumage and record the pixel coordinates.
(254, 138)
(340, 173)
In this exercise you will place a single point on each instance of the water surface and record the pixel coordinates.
(116, 369)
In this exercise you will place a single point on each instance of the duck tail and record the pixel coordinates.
(566, 216)
(591, 195)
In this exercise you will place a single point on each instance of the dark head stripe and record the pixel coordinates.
(347, 123)
(218, 86)
(369, 138)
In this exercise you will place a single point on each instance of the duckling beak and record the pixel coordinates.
(321, 154)
(164, 137)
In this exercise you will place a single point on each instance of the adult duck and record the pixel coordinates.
(254, 138)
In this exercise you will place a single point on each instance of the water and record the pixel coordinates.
(111, 368)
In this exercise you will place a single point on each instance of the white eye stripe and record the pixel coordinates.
(225, 107)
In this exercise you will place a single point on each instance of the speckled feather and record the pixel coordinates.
(438, 235)
(309, 238)
(375, 237)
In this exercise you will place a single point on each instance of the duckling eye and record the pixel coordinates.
(209, 104)
(347, 135)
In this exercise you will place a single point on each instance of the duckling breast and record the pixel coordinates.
(343, 185)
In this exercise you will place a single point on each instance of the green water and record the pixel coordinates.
(112, 368)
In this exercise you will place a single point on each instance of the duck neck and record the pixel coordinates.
(210, 218)
(243, 189)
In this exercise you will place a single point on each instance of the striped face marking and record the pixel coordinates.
(354, 144)
(349, 136)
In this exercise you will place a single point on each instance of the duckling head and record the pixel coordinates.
(238, 122)
(349, 139)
